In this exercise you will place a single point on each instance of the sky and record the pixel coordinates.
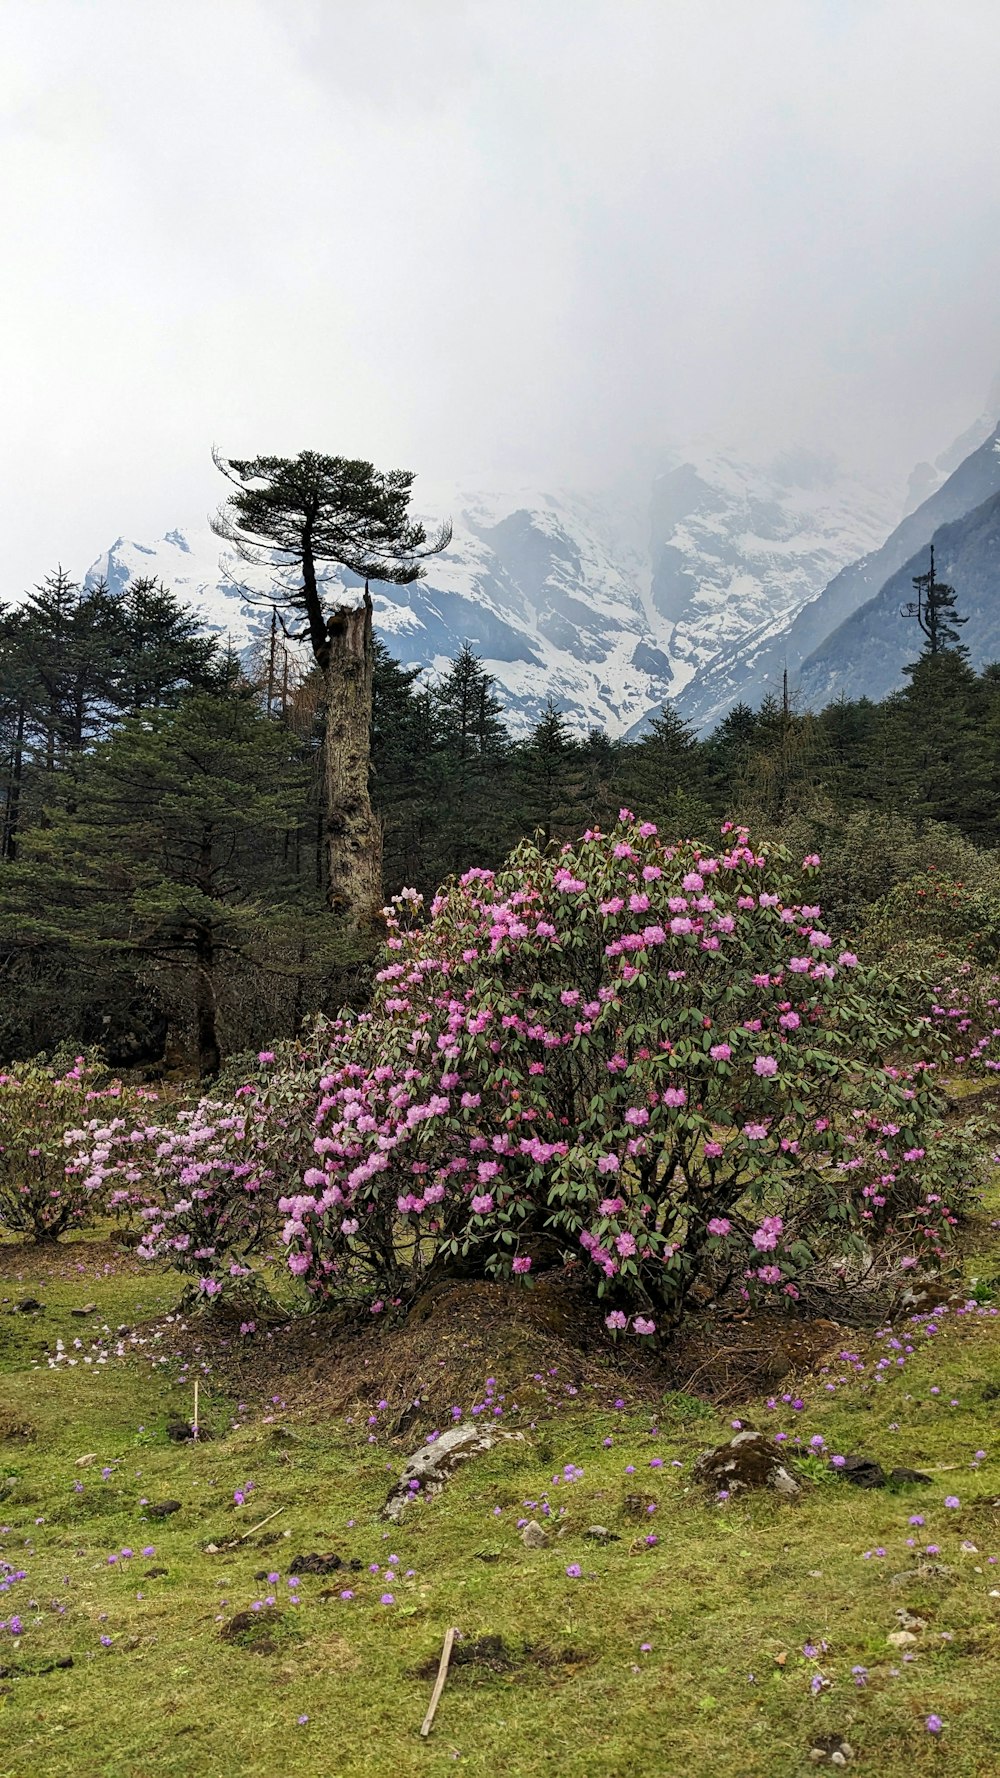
(550, 240)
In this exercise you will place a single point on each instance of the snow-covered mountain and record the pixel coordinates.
(738, 551)
(821, 646)
(608, 606)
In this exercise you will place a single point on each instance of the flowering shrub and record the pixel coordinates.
(56, 1132)
(206, 1181)
(213, 1188)
(649, 1059)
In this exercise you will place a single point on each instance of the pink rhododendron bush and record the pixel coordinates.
(58, 1128)
(648, 1060)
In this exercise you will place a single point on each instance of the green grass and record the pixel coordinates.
(726, 1592)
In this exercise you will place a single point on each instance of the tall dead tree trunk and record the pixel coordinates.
(353, 831)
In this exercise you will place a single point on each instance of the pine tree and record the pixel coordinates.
(302, 514)
(172, 855)
(663, 777)
(468, 765)
(550, 778)
(935, 609)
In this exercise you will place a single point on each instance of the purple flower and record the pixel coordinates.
(952, 1500)
(934, 1725)
(573, 1570)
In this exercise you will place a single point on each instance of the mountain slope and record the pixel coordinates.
(746, 672)
(866, 655)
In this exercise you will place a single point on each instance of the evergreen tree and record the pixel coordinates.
(303, 513)
(468, 765)
(935, 609)
(550, 779)
(664, 776)
(173, 854)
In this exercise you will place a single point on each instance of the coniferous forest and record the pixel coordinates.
(164, 889)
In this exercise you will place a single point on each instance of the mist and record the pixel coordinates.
(543, 241)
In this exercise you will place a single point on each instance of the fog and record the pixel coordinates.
(551, 240)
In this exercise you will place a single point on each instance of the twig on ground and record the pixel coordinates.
(245, 1534)
(442, 1674)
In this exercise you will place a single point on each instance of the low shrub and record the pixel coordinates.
(57, 1128)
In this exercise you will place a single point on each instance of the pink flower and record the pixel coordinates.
(720, 1052)
(608, 1163)
(482, 1204)
(719, 1225)
(625, 1244)
(755, 1132)
(521, 1264)
(713, 1150)
(616, 1321)
(642, 1326)
(766, 1236)
(769, 1274)
(765, 1066)
(675, 1097)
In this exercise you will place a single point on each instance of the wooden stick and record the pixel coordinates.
(263, 1522)
(442, 1674)
(194, 1423)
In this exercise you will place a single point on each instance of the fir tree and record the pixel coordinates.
(301, 514)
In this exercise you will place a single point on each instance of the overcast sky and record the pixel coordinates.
(544, 238)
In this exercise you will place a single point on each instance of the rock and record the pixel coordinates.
(907, 1621)
(750, 1460)
(162, 1509)
(862, 1472)
(154, 1573)
(533, 1537)
(88, 1309)
(601, 1534)
(179, 1430)
(29, 1306)
(910, 1475)
(901, 1639)
(926, 1571)
(432, 1465)
(86, 1460)
(831, 1747)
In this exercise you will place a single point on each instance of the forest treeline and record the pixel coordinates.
(163, 881)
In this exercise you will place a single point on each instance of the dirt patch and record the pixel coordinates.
(490, 1346)
(492, 1654)
(495, 1348)
(14, 1431)
(256, 1631)
(746, 1356)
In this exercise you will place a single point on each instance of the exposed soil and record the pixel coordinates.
(543, 1352)
(492, 1654)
